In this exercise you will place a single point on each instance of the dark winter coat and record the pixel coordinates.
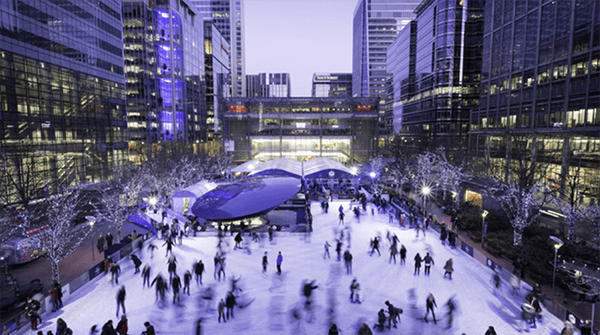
(121, 294)
(428, 260)
(333, 330)
(61, 327)
(109, 240)
(365, 330)
(136, 261)
(172, 267)
(199, 268)
(187, 277)
(347, 257)
(230, 301)
(418, 260)
(443, 234)
(402, 252)
(115, 269)
(149, 331)
(176, 284)
(122, 327)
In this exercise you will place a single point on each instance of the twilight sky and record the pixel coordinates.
(300, 37)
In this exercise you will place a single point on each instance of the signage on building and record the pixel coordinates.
(238, 109)
(326, 78)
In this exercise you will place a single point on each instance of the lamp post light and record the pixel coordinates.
(425, 190)
(373, 175)
(483, 215)
(92, 220)
(557, 244)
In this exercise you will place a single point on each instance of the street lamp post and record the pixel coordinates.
(483, 215)
(557, 244)
(373, 175)
(92, 220)
(425, 190)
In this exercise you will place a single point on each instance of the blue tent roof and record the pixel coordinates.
(245, 198)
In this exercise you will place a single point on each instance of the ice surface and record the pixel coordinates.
(479, 304)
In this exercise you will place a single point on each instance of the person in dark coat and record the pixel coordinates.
(221, 310)
(146, 275)
(381, 318)
(108, 328)
(199, 327)
(161, 286)
(333, 330)
(169, 243)
(109, 240)
(198, 270)
(393, 312)
(187, 278)
(149, 329)
(375, 246)
(443, 234)
(115, 269)
(265, 262)
(418, 261)
(428, 262)
(172, 267)
(338, 249)
(121, 299)
(61, 327)
(430, 304)
(122, 327)
(136, 262)
(31, 308)
(402, 254)
(270, 230)
(348, 261)
(365, 330)
(176, 285)
(100, 244)
(229, 303)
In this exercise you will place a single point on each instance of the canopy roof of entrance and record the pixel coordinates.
(315, 168)
(286, 167)
(326, 168)
(245, 198)
(196, 190)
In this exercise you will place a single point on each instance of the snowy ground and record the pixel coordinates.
(479, 304)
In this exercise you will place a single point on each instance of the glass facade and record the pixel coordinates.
(541, 75)
(376, 24)
(331, 85)
(62, 94)
(436, 100)
(269, 85)
(216, 60)
(264, 128)
(228, 16)
(165, 73)
(401, 56)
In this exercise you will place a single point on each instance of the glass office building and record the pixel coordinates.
(344, 130)
(541, 76)
(216, 61)
(228, 16)
(447, 65)
(164, 65)
(332, 85)
(269, 85)
(62, 94)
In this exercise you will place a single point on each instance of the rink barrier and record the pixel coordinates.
(19, 324)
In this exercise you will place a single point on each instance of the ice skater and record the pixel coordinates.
(448, 267)
(348, 261)
(375, 246)
(198, 271)
(279, 261)
(402, 254)
(146, 275)
(187, 278)
(326, 253)
(265, 262)
(121, 300)
(428, 263)
(418, 261)
(136, 262)
(430, 304)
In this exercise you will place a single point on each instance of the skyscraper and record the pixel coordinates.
(218, 73)
(332, 85)
(62, 95)
(228, 16)
(376, 24)
(540, 85)
(269, 85)
(165, 72)
(444, 71)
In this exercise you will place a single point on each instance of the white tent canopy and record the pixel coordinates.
(247, 167)
(185, 198)
(284, 165)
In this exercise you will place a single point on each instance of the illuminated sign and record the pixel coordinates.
(300, 124)
(326, 78)
(238, 109)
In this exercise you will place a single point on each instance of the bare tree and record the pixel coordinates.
(520, 190)
(121, 195)
(22, 176)
(450, 175)
(58, 236)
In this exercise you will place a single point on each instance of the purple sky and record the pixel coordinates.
(300, 37)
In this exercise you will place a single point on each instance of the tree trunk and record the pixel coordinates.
(517, 237)
(55, 271)
(119, 237)
(571, 231)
